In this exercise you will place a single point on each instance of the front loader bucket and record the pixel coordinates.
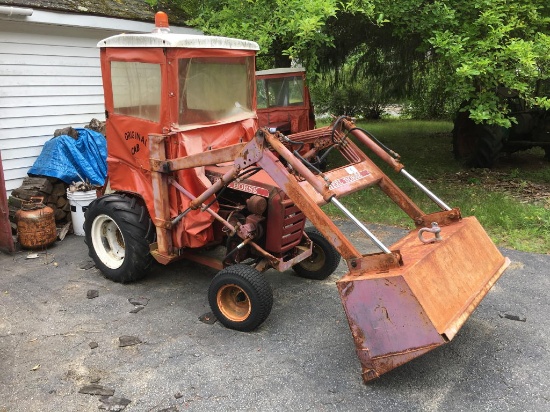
(402, 313)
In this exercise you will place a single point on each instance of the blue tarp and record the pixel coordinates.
(66, 158)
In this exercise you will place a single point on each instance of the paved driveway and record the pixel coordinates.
(302, 358)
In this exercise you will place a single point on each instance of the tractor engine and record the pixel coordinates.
(260, 211)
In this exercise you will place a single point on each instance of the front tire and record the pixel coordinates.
(323, 261)
(118, 233)
(240, 297)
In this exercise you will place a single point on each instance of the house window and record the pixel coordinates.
(136, 89)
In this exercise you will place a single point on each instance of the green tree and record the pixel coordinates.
(484, 44)
(444, 50)
(286, 30)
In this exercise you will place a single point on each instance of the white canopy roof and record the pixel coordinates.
(281, 70)
(190, 41)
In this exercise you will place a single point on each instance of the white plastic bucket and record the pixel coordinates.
(79, 202)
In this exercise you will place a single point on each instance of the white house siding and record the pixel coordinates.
(50, 78)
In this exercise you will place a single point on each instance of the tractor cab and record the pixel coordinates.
(283, 101)
(197, 90)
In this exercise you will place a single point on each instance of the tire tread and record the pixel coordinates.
(261, 296)
(138, 227)
(331, 254)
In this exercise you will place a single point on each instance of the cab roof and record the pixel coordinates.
(187, 41)
(281, 70)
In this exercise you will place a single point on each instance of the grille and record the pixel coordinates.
(285, 226)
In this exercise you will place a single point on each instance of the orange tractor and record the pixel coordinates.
(189, 170)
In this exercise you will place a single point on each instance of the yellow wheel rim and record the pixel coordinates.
(234, 303)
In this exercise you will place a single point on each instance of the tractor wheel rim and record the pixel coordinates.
(108, 241)
(316, 261)
(234, 303)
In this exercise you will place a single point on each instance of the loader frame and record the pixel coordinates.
(308, 192)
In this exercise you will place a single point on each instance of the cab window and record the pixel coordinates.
(136, 89)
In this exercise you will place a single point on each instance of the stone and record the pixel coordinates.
(92, 293)
(111, 403)
(128, 341)
(95, 389)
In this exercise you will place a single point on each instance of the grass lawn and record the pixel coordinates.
(512, 200)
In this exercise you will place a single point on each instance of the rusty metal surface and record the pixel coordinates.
(454, 326)
(320, 186)
(375, 262)
(303, 252)
(448, 276)
(259, 184)
(256, 204)
(361, 171)
(400, 304)
(285, 224)
(196, 256)
(312, 136)
(225, 179)
(443, 218)
(215, 156)
(384, 314)
(388, 324)
(398, 314)
(36, 226)
(344, 181)
(161, 198)
(163, 259)
(367, 141)
(252, 152)
(6, 239)
(203, 207)
(313, 212)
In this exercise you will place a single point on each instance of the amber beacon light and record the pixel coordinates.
(161, 21)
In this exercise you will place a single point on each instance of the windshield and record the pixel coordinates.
(280, 92)
(215, 89)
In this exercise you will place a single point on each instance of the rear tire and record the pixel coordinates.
(489, 145)
(478, 145)
(240, 297)
(118, 232)
(323, 261)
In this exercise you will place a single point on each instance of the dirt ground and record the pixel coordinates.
(61, 325)
(506, 176)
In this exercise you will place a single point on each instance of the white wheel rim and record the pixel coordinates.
(108, 241)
